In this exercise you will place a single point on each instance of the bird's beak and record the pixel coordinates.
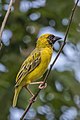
(56, 38)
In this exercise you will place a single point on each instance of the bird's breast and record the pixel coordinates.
(42, 67)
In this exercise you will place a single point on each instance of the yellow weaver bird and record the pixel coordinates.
(35, 64)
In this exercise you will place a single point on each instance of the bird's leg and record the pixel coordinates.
(27, 88)
(31, 93)
(41, 86)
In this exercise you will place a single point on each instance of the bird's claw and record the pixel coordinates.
(42, 85)
(32, 99)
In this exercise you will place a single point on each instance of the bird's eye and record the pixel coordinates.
(51, 37)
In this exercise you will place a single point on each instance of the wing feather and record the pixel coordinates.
(28, 66)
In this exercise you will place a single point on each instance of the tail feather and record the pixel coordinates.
(17, 90)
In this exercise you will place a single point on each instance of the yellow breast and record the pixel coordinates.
(46, 54)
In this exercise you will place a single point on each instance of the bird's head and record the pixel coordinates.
(47, 40)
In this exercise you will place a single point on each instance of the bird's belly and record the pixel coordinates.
(38, 72)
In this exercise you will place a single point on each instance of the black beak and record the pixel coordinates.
(56, 38)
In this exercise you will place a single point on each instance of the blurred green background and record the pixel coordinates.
(27, 21)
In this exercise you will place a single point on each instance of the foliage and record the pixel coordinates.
(63, 88)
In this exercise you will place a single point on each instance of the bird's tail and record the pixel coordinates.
(17, 90)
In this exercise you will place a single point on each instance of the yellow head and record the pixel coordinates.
(46, 40)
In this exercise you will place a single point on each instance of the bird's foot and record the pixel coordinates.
(42, 85)
(32, 99)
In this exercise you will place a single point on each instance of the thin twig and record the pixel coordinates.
(30, 104)
(4, 21)
(67, 31)
(45, 79)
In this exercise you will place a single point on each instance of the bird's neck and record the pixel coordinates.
(41, 45)
(45, 48)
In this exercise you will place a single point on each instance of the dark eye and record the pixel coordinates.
(51, 37)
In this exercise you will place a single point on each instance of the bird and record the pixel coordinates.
(35, 65)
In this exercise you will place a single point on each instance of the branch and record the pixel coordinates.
(47, 74)
(4, 21)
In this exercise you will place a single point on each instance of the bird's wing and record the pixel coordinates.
(28, 66)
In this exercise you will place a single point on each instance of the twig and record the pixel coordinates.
(47, 74)
(67, 31)
(30, 104)
(4, 21)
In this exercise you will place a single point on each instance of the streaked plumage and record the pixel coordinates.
(35, 64)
